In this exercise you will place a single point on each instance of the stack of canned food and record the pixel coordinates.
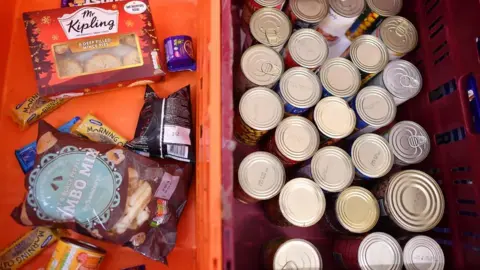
(329, 124)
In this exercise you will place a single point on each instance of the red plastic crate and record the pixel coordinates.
(449, 60)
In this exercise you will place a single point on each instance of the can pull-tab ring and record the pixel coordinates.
(416, 142)
(290, 265)
(271, 34)
(267, 68)
(409, 82)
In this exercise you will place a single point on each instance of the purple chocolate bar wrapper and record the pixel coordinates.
(74, 3)
(179, 53)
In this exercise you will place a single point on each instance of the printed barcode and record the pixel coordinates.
(177, 150)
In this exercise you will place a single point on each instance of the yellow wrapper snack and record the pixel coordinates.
(34, 108)
(95, 130)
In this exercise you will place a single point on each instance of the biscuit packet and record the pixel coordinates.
(104, 191)
(97, 131)
(33, 109)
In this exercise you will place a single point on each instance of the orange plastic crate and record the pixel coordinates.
(199, 237)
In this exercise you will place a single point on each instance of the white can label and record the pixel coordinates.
(334, 26)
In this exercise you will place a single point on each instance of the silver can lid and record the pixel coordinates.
(375, 106)
(262, 65)
(297, 138)
(332, 169)
(380, 251)
(415, 201)
(261, 108)
(300, 87)
(347, 8)
(409, 142)
(270, 26)
(311, 11)
(297, 254)
(334, 117)
(422, 252)
(357, 209)
(372, 156)
(269, 3)
(302, 202)
(369, 54)
(261, 175)
(340, 77)
(402, 79)
(399, 34)
(308, 48)
(385, 8)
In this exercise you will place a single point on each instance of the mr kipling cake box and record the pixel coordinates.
(86, 49)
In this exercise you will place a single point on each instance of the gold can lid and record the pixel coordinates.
(340, 77)
(297, 254)
(270, 26)
(261, 108)
(402, 79)
(399, 34)
(385, 8)
(262, 65)
(308, 48)
(297, 138)
(375, 106)
(380, 251)
(409, 142)
(302, 202)
(415, 201)
(372, 155)
(357, 210)
(422, 252)
(311, 11)
(332, 169)
(334, 117)
(369, 54)
(348, 8)
(269, 3)
(300, 87)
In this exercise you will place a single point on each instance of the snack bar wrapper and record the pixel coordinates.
(104, 191)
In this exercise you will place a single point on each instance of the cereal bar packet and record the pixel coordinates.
(33, 109)
(97, 131)
(105, 191)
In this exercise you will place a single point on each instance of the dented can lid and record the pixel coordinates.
(332, 169)
(261, 65)
(340, 77)
(369, 54)
(261, 175)
(402, 79)
(270, 3)
(297, 254)
(375, 106)
(415, 201)
(297, 138)
(372, 156)
(270, 26)
(357, 209)
(380, 251)
(347, 8)
(308, 48)
(261, 108)
(409, 142)
(334, 117)
(311, 11)
(385, 8)
(422, 252)
(300, 87)
(302, 202)
(398, 34)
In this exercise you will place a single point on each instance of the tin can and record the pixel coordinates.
(369, 55)
(301, 203)
(399, 35)
(331, 168)
(306, 48)
(412, 199)
(422, 252)
(341, 15)
(270, 27)
(335, 120)
(280, 254)
(296, 139)
(306, 14)
(299, 89)
(373, 15)
(261, 176)
(409, 142)
(260, 110)
(251, 6)
(74, 254)
(371, 156)
(340, 78)
(374, 108)
(401, 78)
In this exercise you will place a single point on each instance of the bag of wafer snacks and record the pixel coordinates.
(105, 191)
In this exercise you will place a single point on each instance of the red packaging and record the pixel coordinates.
(80, 50)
